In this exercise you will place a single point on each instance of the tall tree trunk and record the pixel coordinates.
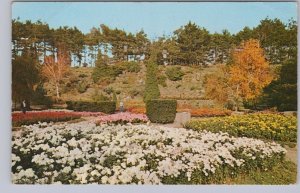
(236, 98)
(57, 90)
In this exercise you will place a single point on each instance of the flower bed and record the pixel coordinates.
(19, 118)
(210, 112)
(265, 126)
(89, 114)
(123, 118)
(137, 110)
(83, 153)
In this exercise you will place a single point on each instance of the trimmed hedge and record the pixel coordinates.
(107, 107)
(19, 119)
(161, 111)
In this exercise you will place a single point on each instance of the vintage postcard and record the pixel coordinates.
(154, 93)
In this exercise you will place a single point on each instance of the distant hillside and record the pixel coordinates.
(78, 85)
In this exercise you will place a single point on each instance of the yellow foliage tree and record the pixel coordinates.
(55, 71)
(243, 79)
(249, 72)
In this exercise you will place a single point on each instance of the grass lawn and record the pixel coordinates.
(282, 173)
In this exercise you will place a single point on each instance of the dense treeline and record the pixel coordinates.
(33, 44)
(189, 45)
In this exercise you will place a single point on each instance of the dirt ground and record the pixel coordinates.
(291, 154)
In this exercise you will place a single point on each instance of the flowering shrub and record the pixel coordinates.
(134, 154)
(210, 112)
(265, 126)
(123, 118)
(19, 118)
(137, 110)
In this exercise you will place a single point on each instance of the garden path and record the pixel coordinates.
(291, 154)
(180, 119)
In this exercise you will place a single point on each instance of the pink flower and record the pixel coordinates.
(123, 118)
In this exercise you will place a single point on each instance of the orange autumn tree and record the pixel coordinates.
(55, 70)
(249, 72)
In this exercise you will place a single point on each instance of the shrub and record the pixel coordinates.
(39, 97)
(102, 71)
(151, 87)
(161, 111)
(99, 97)
(174, 73)
(161, 80)
(107, 107)
(83, 75)
(106, 72)
(108, 90)
(264, 126)
(131, 66)
(82, 87)
(19, 119)
(193, 88)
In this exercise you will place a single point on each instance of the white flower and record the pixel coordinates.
(67, 169)
(117, 154)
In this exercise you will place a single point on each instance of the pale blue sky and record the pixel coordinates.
(155, 18)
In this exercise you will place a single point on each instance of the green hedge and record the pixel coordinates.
(108, 107)
(161, 111)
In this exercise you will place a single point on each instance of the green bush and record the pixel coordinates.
(99, 96)
(82, 87)
(131, 66)
(151, 86)
(161, 80)
(108, 107)
(108, 90)
(102, 71)
(174, 73)
(193, 88)
(83, 75)
(161, 111)
(40, 97)
(178, 86)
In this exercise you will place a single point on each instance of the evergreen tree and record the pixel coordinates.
(25, 76)
(282, 93)
(101, 67)
(151, 87)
